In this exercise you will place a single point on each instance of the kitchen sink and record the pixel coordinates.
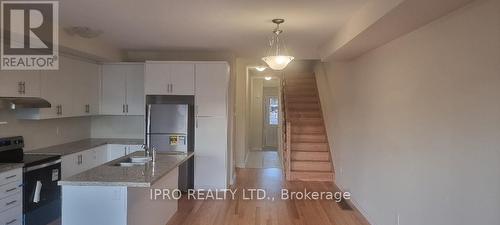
(134, 161)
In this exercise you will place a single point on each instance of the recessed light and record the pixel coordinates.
(260, 68)
(268, 78)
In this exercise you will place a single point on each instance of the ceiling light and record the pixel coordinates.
(277, 56)
(268, 78)
(260, 68)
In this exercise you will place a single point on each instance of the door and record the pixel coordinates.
(113, 90)
(211, 89)
(210, 170)
(135, 90)
(157, 78)
(271, 121)
(182, 78)
(19, 83)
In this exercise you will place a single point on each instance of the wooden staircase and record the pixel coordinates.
(306, 153)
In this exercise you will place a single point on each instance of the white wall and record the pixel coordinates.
(414, 124)
(43, 133)
(117, 127)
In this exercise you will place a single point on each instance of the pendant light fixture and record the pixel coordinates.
(277, 57)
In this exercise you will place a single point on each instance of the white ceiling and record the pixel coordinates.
(239, 26)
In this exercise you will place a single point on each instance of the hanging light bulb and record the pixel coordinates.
(277, 56)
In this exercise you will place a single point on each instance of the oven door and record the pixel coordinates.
(42, 195)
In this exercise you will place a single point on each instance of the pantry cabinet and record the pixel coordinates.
(122, 88)
(169, 78)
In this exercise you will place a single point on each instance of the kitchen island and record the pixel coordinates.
(119, 195)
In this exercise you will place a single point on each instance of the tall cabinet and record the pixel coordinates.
(209, 83)
(212, 81)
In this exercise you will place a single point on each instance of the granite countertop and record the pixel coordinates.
(78, 146)
(134, 176)
(10, 166)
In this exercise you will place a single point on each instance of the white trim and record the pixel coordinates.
(357, 205)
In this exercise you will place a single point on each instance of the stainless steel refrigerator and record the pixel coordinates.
(167, 127)
(170, 129)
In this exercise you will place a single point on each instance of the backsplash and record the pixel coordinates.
(43, 133)
(117, 127)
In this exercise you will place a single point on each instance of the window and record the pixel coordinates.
(273, 111)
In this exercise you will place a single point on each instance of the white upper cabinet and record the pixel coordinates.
(113, 91)
(19, 83)
(169, 78)
(73, 90)
(182, 79)
(135, 90)
(212, 80)
(122, 89)
(56, 86)
(85, 89)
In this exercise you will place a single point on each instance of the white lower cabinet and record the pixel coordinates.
(11, 197)
(81, 161)
(13, 216)
(116, 151)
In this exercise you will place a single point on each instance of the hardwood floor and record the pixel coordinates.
(266, 212)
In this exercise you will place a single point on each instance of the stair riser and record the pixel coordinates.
(314, 147)
(311, 166)
(312, 176)
(311, 156)
(292, 115)
(308, 130)
(303, 106)
(309, 138)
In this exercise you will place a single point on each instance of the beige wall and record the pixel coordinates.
(43, 133)
(414, 125)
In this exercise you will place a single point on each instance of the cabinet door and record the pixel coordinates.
(135, 90)
(70, 165)
(85, 88)
(157, 79)
(116, 151)
(113, 90)
(211, 89)
(57, 88)
(11, 83)
(211, 153)
(182, 79)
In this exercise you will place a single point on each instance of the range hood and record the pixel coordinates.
(23, 102)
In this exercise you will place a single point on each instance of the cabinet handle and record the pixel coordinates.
(123, 108)
(20, 87)
(126, 106)
(10, 177)
(24, 87)
(9, 190)
(61, 109)
(196, 122)
(11, 222)
(10, 203)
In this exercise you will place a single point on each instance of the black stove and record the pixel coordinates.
(11, 151)
(41, 193)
